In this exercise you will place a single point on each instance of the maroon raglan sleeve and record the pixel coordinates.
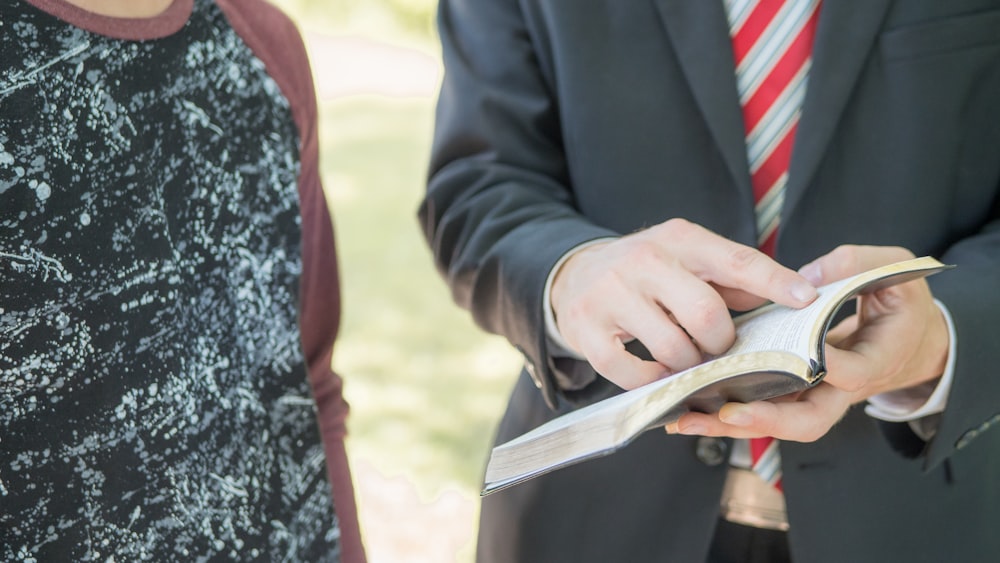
(275, 40)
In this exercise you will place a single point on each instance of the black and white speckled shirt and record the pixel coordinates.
(154, 399)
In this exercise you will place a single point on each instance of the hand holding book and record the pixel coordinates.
(894, 341)
(898, 339)
(670, 286)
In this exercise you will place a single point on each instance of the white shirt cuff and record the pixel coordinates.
(557, 344)
(913, 403)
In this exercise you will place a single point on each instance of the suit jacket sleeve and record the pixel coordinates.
(498, 212)
(972, 294)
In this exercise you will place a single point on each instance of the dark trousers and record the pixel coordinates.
(734, 543)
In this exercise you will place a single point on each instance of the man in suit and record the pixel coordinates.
(590, 184)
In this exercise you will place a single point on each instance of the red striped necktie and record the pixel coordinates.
(772, 47)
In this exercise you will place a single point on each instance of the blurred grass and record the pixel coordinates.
(398, 21)
(426, 386)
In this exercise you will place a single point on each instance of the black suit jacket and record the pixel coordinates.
(561, 121)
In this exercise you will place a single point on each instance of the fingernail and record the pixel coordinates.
(812, 272)
(671, 428)
(803, 292)
(737, 416)
(693, 429)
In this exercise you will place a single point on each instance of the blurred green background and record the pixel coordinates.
(387, 19)
(426, 386)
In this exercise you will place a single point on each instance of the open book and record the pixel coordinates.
(778, 350)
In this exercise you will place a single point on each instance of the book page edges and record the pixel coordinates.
(605, 427)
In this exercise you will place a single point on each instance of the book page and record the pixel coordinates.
(608, 425)
(776, 327)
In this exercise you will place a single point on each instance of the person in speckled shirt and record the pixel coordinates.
(170, 289)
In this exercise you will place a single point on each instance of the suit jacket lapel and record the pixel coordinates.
(844, 39)
(699, 32)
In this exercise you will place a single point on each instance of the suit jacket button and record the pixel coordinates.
(529, 367)
(711, 451)
(971, 435)
(964, 439)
